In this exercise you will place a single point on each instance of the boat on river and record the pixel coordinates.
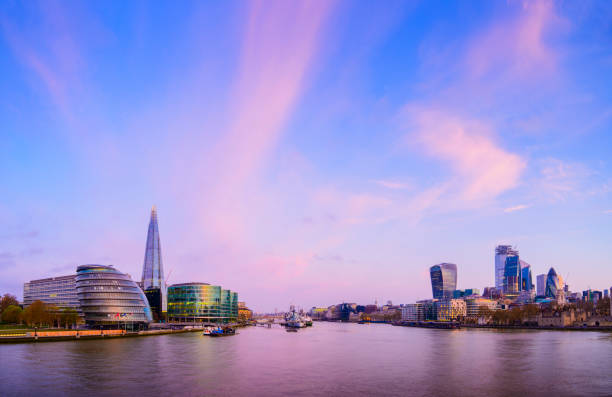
(220, 331)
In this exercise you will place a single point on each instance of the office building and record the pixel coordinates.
(443, 280)
(474, 304)
(541, 284)
(58, 291)
(153, 282)
(512, 276)
(553, 286)
(201, 302)
(451, 309)
(501, 252)
(111, 299)
(526, 280)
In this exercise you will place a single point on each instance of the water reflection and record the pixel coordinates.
(329, 359)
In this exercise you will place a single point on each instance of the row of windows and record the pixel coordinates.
(107, 288)
(109, 295)
(119, 302)
(113, 309)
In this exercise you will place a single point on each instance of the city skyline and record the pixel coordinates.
(307, 153)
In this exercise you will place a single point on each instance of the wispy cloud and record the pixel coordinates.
(486, 169)
(516, 208)
(393, 185)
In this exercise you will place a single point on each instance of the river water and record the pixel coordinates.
(327, 359)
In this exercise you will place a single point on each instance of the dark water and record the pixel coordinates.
(328, 359)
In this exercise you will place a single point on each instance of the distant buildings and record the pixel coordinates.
(501, 252)
(526, 280)
(109, 298)
(553, 287)
(201, 302)
(512, 275)
(153, 282)
(59, 291)
(244, 313)
(443, 280)
(541, 285)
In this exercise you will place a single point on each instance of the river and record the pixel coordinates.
(327, 359)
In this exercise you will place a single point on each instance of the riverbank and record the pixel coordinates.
(57, 336)
(450, 325)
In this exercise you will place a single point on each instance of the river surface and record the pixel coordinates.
(329, 359)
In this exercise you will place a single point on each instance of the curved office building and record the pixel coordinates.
(443, 280)
(110, 298)
(201, 302)
(553, 286)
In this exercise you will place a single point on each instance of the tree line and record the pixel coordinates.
(38, 314)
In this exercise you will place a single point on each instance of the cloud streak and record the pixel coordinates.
(516, 208)
(485, 169)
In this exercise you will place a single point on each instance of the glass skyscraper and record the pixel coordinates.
(501, 252)
(153, 268)
(553, 286)
(512, 275)
(526, 280)
(443, 280)
(541, 284)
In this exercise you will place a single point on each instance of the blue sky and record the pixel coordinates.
(306, 152)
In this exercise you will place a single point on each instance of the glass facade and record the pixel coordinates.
(443, 280)
(201, 302)
(553, 286)
(110, 298)
(512, 275)
(501, 252)
(58, 291)
(541, 284)
(153, 267)
(526, 281)
(451, 309)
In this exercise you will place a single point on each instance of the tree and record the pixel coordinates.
(8, 300)
(12, 314)
(52, 315)
(35, 314)
(69, 317)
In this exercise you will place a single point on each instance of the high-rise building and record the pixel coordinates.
(109, 298)
(501, 252)
(59, 291)
(541, 284)
(153, 282)
(526, 280)
(553, 286)
(512, 275)
(443, 280)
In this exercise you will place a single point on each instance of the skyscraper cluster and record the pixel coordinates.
(105, 297)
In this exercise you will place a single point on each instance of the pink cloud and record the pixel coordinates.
(517, 44)
(485, 168)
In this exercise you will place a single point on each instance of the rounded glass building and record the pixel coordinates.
(201, 302)
(110, 298)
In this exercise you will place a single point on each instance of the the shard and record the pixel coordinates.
(153, 268)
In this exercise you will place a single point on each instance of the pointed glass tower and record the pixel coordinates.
(153, 268)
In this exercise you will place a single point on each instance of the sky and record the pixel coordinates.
(306, 152)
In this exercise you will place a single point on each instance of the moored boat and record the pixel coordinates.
(225, 331)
